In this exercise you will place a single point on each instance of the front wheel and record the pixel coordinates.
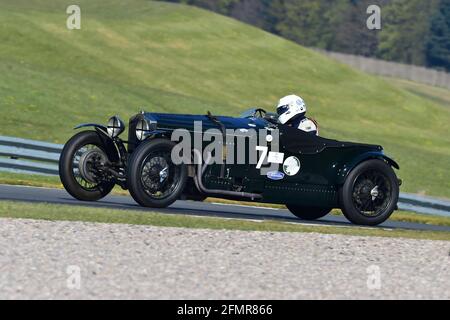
(370, 193)
(153, 179)
(308, 213)
(80, 166)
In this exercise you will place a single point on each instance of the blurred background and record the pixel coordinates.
(388, 86)
(413, 31)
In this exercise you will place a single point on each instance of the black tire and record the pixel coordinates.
(360, 203)
(140, 169)
(191, 192)
(66, 168)
(308, 213)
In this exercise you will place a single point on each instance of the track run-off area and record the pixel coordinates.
(229, 211)
(83, 260)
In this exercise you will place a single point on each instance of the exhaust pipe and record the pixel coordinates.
(199, 184)
(224, 139)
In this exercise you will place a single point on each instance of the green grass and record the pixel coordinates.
(69, 213)
(139, 54)
(439, 95)
(31, 180)
(406, 216)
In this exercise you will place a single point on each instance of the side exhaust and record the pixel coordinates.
(199, 184)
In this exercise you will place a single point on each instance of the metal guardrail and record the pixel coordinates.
(29, 156)
(36, 157)
(424, 204)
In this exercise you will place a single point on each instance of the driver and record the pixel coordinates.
(291, 111)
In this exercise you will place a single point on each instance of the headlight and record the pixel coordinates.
(144, 127)
(115, 127)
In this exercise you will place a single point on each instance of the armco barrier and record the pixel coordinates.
(29, 156)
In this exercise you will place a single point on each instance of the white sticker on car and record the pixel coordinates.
(291, 166)
(275, 157)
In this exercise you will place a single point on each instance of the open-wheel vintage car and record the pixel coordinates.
(312, 176)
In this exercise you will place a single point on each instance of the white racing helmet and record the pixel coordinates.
(289, 107)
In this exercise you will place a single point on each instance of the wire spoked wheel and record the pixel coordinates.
(153, 179)
(370, 193)
(86, 165)
(160, 177)
(80, 167)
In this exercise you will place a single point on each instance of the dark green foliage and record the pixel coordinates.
(350, 34)
(438, 41)
(413, 31)
(406, 24)
(303, 21)
(220, 6)
(254, 12)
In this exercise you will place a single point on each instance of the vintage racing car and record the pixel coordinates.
(314, 174)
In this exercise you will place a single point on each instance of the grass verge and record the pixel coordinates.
(71, 213)
(54, 182)
(31, 180)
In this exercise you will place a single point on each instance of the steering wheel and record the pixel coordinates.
(260, 113)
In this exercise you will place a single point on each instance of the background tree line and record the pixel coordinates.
(413, 31)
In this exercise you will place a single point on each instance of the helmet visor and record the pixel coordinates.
(282, 109)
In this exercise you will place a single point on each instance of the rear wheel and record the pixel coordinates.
(308, 213)
(370, 193)
(153, 179)
(80, 166)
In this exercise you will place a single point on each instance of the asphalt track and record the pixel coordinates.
(57, 196)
